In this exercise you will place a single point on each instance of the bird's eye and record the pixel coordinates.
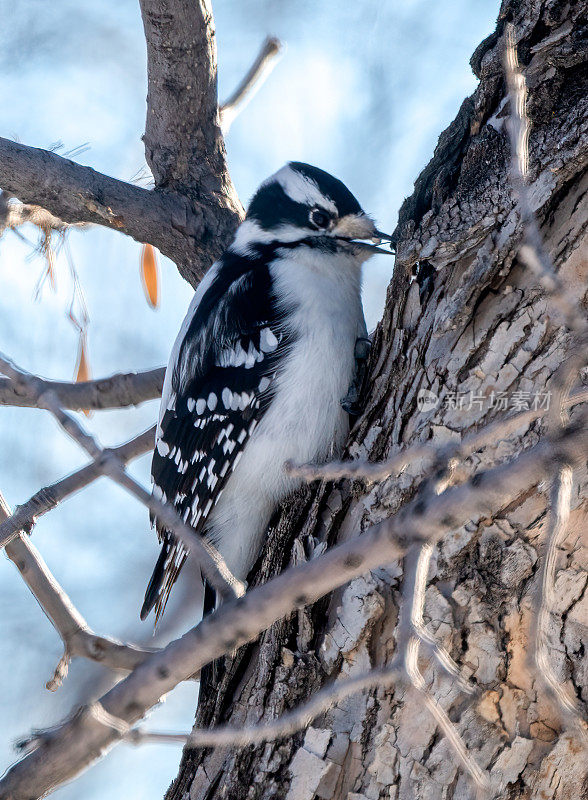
(319, 218)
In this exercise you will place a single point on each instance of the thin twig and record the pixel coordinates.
(413, 595)
(479, 776)
(286, 725)
(77, 636)
(408, 639)
(14, 214)
(368, 471)
(545, 599)
(535, 256)
(209, 559)
(533, 251)
(253, 80)
(418, 626)
(49, 497)
(410, 634)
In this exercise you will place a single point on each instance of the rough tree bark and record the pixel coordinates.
(482, 325)
(475, 326)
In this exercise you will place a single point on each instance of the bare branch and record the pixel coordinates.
(414, 592)
(536, 257)
(75, 194)
(490, 434)
(117, 391)
(286, 725)
(411, 632)
(253, 80)
(183, 141)
(71, 746)
(533, 251)
(50, 496)
(209, 559)
(77, 636)
(449, 730)
(539, 655)
(194, 210)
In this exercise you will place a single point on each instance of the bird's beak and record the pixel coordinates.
(377, 239)
(354, 227)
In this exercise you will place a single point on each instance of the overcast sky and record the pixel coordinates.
(363, 91)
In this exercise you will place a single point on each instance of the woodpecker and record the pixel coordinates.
(260, 367)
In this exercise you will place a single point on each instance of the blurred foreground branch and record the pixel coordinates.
(70, 747)
(252, 81)
(50, 496)
(495, 431)
(77, 636)
(15, 214)
(211, 562)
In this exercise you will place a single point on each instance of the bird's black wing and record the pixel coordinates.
(220, 385)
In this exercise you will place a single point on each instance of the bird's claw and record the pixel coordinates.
(353, 403)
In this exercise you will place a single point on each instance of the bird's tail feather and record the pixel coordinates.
(156, 580)
(170, 561)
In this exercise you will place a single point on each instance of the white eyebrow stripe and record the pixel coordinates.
(302, 189)
(250, 233)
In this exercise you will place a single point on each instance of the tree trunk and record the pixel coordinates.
(481, 327)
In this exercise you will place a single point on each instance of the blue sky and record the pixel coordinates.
(363, 90)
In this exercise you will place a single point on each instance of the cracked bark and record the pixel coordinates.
(485, 327)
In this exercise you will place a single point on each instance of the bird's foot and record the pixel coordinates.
(353, 402)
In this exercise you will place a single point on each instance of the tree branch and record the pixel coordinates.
(77, 636)
(539, 655)
(286, 725)
(70, 747)
(117, 391)
(194, 209)
(411, 634)
(50, 496)
(368, 471)
(74, 194)
(535, 256)
(413, 595)
(209, 559)
(533, 252)
(253, 80)
(400, 669)
(184, 146)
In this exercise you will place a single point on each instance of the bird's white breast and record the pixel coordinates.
(305, 421)
(324, 292)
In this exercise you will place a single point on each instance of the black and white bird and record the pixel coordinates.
(260, 366)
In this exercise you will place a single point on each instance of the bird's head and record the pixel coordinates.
(301, 204)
